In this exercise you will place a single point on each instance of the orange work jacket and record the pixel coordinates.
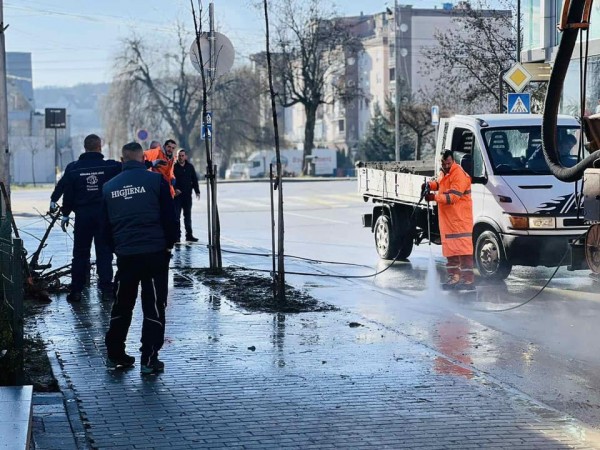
(455, 210)
(166, 170)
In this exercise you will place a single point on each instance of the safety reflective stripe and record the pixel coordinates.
(451, 267)
(448, 199)
(467, 192)
(452, 191)
(459, 235)
(466, 270)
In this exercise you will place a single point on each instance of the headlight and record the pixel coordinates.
(519, 222)
(537, 222)
(542, 222)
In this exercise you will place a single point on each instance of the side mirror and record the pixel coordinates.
(479, 180)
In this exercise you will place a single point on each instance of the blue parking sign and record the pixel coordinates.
(518, 103)
(207, 127)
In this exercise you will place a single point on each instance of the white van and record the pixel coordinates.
(522, 214)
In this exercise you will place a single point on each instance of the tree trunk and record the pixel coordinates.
(418, 146)
(309, 135)
(33, 167)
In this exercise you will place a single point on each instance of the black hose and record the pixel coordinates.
(552, 102)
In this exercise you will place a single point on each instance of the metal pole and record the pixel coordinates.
(396, 73)
(4, 151)
(216, 224)
(208, 218)
(55, 153)
(518, 31)
(501, 90)
(274, 274)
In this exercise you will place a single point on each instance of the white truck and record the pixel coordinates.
(522, 214)
(324, 159)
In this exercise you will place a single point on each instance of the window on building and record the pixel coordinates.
(341, 125)
(532, 21)
(393, 73)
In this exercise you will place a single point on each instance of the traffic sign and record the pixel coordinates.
(207, 127)
(517, 77)
(519, 103)
(435, 115)
(142, 134)
(539, 71)
(55, 117)
(224, 54)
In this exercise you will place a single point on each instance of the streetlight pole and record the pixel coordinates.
(396, 73)
(518, 31)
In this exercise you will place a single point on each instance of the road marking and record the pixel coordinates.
(306, 216)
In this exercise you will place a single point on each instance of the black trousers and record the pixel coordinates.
(151, 270)
(183, 202)
(87, 229)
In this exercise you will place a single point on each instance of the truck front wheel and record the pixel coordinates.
(386, 241)
(490, 257)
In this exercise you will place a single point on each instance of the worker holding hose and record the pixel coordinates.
(455, 209)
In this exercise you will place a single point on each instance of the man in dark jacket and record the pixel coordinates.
(139, 216)
(83, 182)
(185, 181)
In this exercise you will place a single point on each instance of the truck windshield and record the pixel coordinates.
(518, 151)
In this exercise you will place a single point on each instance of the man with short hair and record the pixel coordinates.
(455, 211)
(83, 182)
(160, 162)
(170, 145)
(186, 181)
(139, 217)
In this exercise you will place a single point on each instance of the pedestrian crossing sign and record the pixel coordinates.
(519, 103)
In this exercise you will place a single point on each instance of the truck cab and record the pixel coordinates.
(522, 214)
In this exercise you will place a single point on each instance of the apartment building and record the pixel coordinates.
(372, 69)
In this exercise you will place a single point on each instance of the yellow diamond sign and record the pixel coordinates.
(517, 77)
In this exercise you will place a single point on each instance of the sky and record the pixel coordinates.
(75, 41)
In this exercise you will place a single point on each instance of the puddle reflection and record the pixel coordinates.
(278, 337)
(452, 339)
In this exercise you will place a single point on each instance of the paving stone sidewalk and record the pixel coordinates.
(236, 379)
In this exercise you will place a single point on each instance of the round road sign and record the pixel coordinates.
(224, 54)
(142, 135)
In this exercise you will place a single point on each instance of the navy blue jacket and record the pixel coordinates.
(83, 181)
(185, 178)
(59, 189)
(138, 212)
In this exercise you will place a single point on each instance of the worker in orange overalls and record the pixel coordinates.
(160, 162)
(455, 210)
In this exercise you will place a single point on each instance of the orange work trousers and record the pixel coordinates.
(461, 266)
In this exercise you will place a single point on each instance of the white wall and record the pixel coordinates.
(25, 148)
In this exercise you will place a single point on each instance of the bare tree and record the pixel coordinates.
(312, 47)
(173, 92)
(235, 101)
(468, 57)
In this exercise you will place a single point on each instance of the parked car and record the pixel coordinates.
(236, 171)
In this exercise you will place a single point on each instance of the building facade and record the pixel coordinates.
(32, 147)
(393, 49)
(540, 43)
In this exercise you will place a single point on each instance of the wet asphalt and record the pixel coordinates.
(426, 369)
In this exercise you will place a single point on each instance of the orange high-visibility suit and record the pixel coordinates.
(165, 170)
(455, 210)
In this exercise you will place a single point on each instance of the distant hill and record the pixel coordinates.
(81, 101)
